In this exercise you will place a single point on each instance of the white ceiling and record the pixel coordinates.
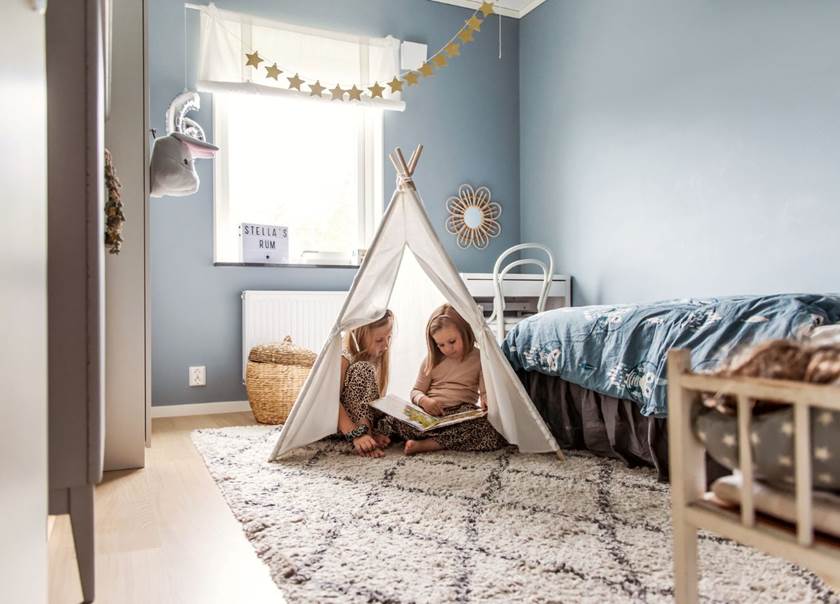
(507, 8)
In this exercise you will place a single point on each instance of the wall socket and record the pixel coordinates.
(197, 376)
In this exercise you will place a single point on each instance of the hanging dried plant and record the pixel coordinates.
(114, 216)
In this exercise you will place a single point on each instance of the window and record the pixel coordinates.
(287, 158)
(313, 167)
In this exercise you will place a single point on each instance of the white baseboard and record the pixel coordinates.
(200, 409)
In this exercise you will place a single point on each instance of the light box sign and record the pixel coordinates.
(266, 243)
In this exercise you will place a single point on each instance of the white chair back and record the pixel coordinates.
(499, 276)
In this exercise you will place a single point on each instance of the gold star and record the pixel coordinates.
(453, 50)
(440, 60)
(355, 94)
(295, 82)
(316, 89)
(411, 78)
(396, 85)
(466, 35)
(474, 23)
(487, 9)
(376, 90)
(337, 93)
(254, 59)
(273, 71)
(427, 70)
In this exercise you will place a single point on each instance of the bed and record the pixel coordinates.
(597, 374)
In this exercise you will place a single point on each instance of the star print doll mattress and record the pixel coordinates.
(621, 351)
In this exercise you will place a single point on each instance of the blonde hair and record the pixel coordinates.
(442, 317)
(356, 342)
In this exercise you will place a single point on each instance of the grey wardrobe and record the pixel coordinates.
(75, 268)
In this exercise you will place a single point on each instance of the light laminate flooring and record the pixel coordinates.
(164, 535)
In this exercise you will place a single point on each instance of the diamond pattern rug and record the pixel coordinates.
(471, 527)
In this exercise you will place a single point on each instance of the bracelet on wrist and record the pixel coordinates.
(356, 432)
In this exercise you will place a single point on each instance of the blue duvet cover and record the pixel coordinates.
(621, 351)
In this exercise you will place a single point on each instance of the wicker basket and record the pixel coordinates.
(274, 377)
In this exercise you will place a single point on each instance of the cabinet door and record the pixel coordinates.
(23, 305)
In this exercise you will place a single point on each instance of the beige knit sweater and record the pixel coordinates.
(451, 382)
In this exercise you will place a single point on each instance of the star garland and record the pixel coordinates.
(358, 92)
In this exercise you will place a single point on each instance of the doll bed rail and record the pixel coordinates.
(691, 512)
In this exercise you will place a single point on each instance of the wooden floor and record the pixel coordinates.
(164, 534)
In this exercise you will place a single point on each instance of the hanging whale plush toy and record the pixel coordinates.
(172, 165)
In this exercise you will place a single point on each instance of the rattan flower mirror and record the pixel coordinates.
(473, 217)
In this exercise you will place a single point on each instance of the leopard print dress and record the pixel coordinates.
(360, 387)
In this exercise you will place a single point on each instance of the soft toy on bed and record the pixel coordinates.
(172, 165)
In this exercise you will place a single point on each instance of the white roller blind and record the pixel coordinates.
(315, 54)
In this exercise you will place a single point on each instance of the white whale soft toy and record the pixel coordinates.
(172, 165)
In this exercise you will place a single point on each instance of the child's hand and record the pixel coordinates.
(482, 401)
(431, 406)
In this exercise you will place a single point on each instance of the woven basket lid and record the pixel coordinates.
(284, 353)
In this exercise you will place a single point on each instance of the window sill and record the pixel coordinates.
(286, 265)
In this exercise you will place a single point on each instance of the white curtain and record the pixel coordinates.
(314, 54)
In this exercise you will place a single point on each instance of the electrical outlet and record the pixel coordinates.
(197, 376)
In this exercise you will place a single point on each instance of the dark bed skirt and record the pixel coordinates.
(584, 419)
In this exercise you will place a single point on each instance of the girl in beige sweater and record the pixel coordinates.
(450, 382)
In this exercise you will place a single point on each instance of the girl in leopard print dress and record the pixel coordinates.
(364, 375)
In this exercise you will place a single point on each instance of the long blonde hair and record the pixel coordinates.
(441, 317)
(356, 341)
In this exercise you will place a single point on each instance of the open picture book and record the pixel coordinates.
(416, 417)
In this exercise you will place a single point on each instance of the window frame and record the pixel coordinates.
(370, 166)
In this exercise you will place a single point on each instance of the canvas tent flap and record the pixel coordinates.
(405, 224)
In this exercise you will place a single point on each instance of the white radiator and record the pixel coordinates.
(269, 316)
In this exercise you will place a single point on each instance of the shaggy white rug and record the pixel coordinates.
(471, 527)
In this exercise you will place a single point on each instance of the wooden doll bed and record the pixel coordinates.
(692, 511)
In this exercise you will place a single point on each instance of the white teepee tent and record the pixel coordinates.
(405, 224)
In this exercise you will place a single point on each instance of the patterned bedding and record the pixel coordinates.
(621, 351)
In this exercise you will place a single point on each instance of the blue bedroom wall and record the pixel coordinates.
(672, 149)
(466, 116)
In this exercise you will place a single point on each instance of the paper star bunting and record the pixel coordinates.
(376, 90)
(466, 35)
(427, 70)
(411, 78)
(453, 50)
(474, 23)
(822, 453)
(337, 93)
(729, 440)
(486, 9)
(254, 59)
(826, 418)
(355, 94)
(295, 82)
(787, 428)
(316, 89)
(440, 60)
(273, 71)
(396, 85)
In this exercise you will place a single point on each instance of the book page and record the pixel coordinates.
(405, 412)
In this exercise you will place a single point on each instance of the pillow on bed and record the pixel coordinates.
(782, 504)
